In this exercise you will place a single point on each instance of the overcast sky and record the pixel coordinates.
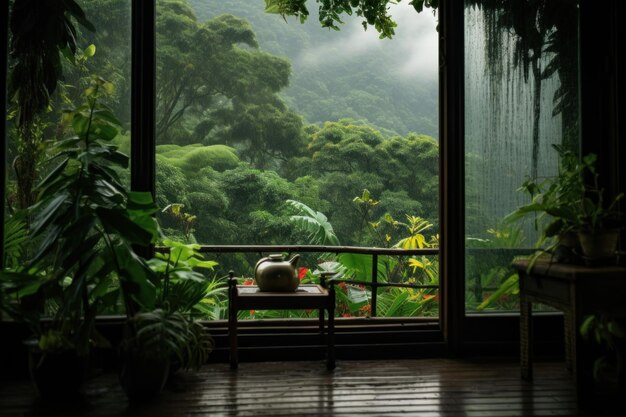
(414, 46)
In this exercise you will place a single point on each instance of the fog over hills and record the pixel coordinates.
(351, 73)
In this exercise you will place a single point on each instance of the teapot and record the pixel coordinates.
(275, 274)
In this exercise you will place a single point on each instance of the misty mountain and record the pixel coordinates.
(351, 73)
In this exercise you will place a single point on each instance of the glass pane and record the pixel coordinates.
(102, 55)
(260, 120)
(521, 98)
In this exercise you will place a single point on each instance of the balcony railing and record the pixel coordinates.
(374, 285)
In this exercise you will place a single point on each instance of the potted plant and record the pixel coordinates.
(598, 222)
(165, 336)
(86, 225)
(554, 203)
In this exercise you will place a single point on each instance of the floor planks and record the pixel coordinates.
(425, 387)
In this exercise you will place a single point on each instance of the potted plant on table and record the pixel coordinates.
(554, 202)
(598, 222)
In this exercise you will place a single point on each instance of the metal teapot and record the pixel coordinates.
(275, 274)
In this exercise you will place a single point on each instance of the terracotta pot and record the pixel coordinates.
(599, 245)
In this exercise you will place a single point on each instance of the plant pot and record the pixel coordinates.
(599, 245)
(569, 240)
(58, 376)
(142, 377)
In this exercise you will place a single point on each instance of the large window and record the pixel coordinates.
(276, 133)
(521, 99)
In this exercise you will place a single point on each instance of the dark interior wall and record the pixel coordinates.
(602, 90)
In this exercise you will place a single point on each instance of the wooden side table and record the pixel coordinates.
(306, 297)
(577, 291)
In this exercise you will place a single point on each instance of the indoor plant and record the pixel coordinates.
(86, 225)
(554, 202)
(598, 221)
(166, 337)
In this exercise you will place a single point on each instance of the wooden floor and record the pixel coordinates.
(426, 387)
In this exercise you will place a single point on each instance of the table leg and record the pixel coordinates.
(330, 361)
(526, 335)
(570, 340)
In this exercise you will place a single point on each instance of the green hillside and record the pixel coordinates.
(346, 74)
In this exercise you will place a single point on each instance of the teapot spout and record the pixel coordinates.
(294, 261)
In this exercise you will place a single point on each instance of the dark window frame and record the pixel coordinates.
(462, 332)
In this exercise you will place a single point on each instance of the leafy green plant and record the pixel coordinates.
(554, 200)
(86, 224)
(606, 333)
(183, 292)
(315, 224)
(594, 213)
(15, 236)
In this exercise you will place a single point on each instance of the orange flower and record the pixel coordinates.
(252, 312)
(248, 281)
(347, 315)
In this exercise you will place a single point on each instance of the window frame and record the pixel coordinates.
(460, 331)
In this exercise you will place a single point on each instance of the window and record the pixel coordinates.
(259, 120)
(521, 98)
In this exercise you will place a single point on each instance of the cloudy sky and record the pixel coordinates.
(413, 48)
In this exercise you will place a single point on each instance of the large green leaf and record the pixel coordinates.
(136, 277)
(116, 221)
(315, 224)
(47, 215)
(357, 265)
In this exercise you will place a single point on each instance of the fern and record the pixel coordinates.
(15, 234)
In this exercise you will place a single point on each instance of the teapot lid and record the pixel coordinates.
(276, 257)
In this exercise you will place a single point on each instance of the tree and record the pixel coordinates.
(213, 77)
(374, 12)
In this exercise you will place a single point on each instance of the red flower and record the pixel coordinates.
(302, 272)
(248, 281)
(347, 315)
(252, 312)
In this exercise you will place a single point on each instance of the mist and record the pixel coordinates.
(412, 53)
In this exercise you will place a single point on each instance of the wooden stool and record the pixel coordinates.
(306, 297)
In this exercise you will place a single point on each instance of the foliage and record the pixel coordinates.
(224, 94)
(15, 237)
(606, 333)
(333, 78)
(40, 33)
(554, 200)
(374, 12)
(594, 214)
(86, 224)
(316, 226)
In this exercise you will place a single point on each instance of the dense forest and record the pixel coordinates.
(243, 127)
(270, 131)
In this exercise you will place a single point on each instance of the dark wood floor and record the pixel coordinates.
(426, 387)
